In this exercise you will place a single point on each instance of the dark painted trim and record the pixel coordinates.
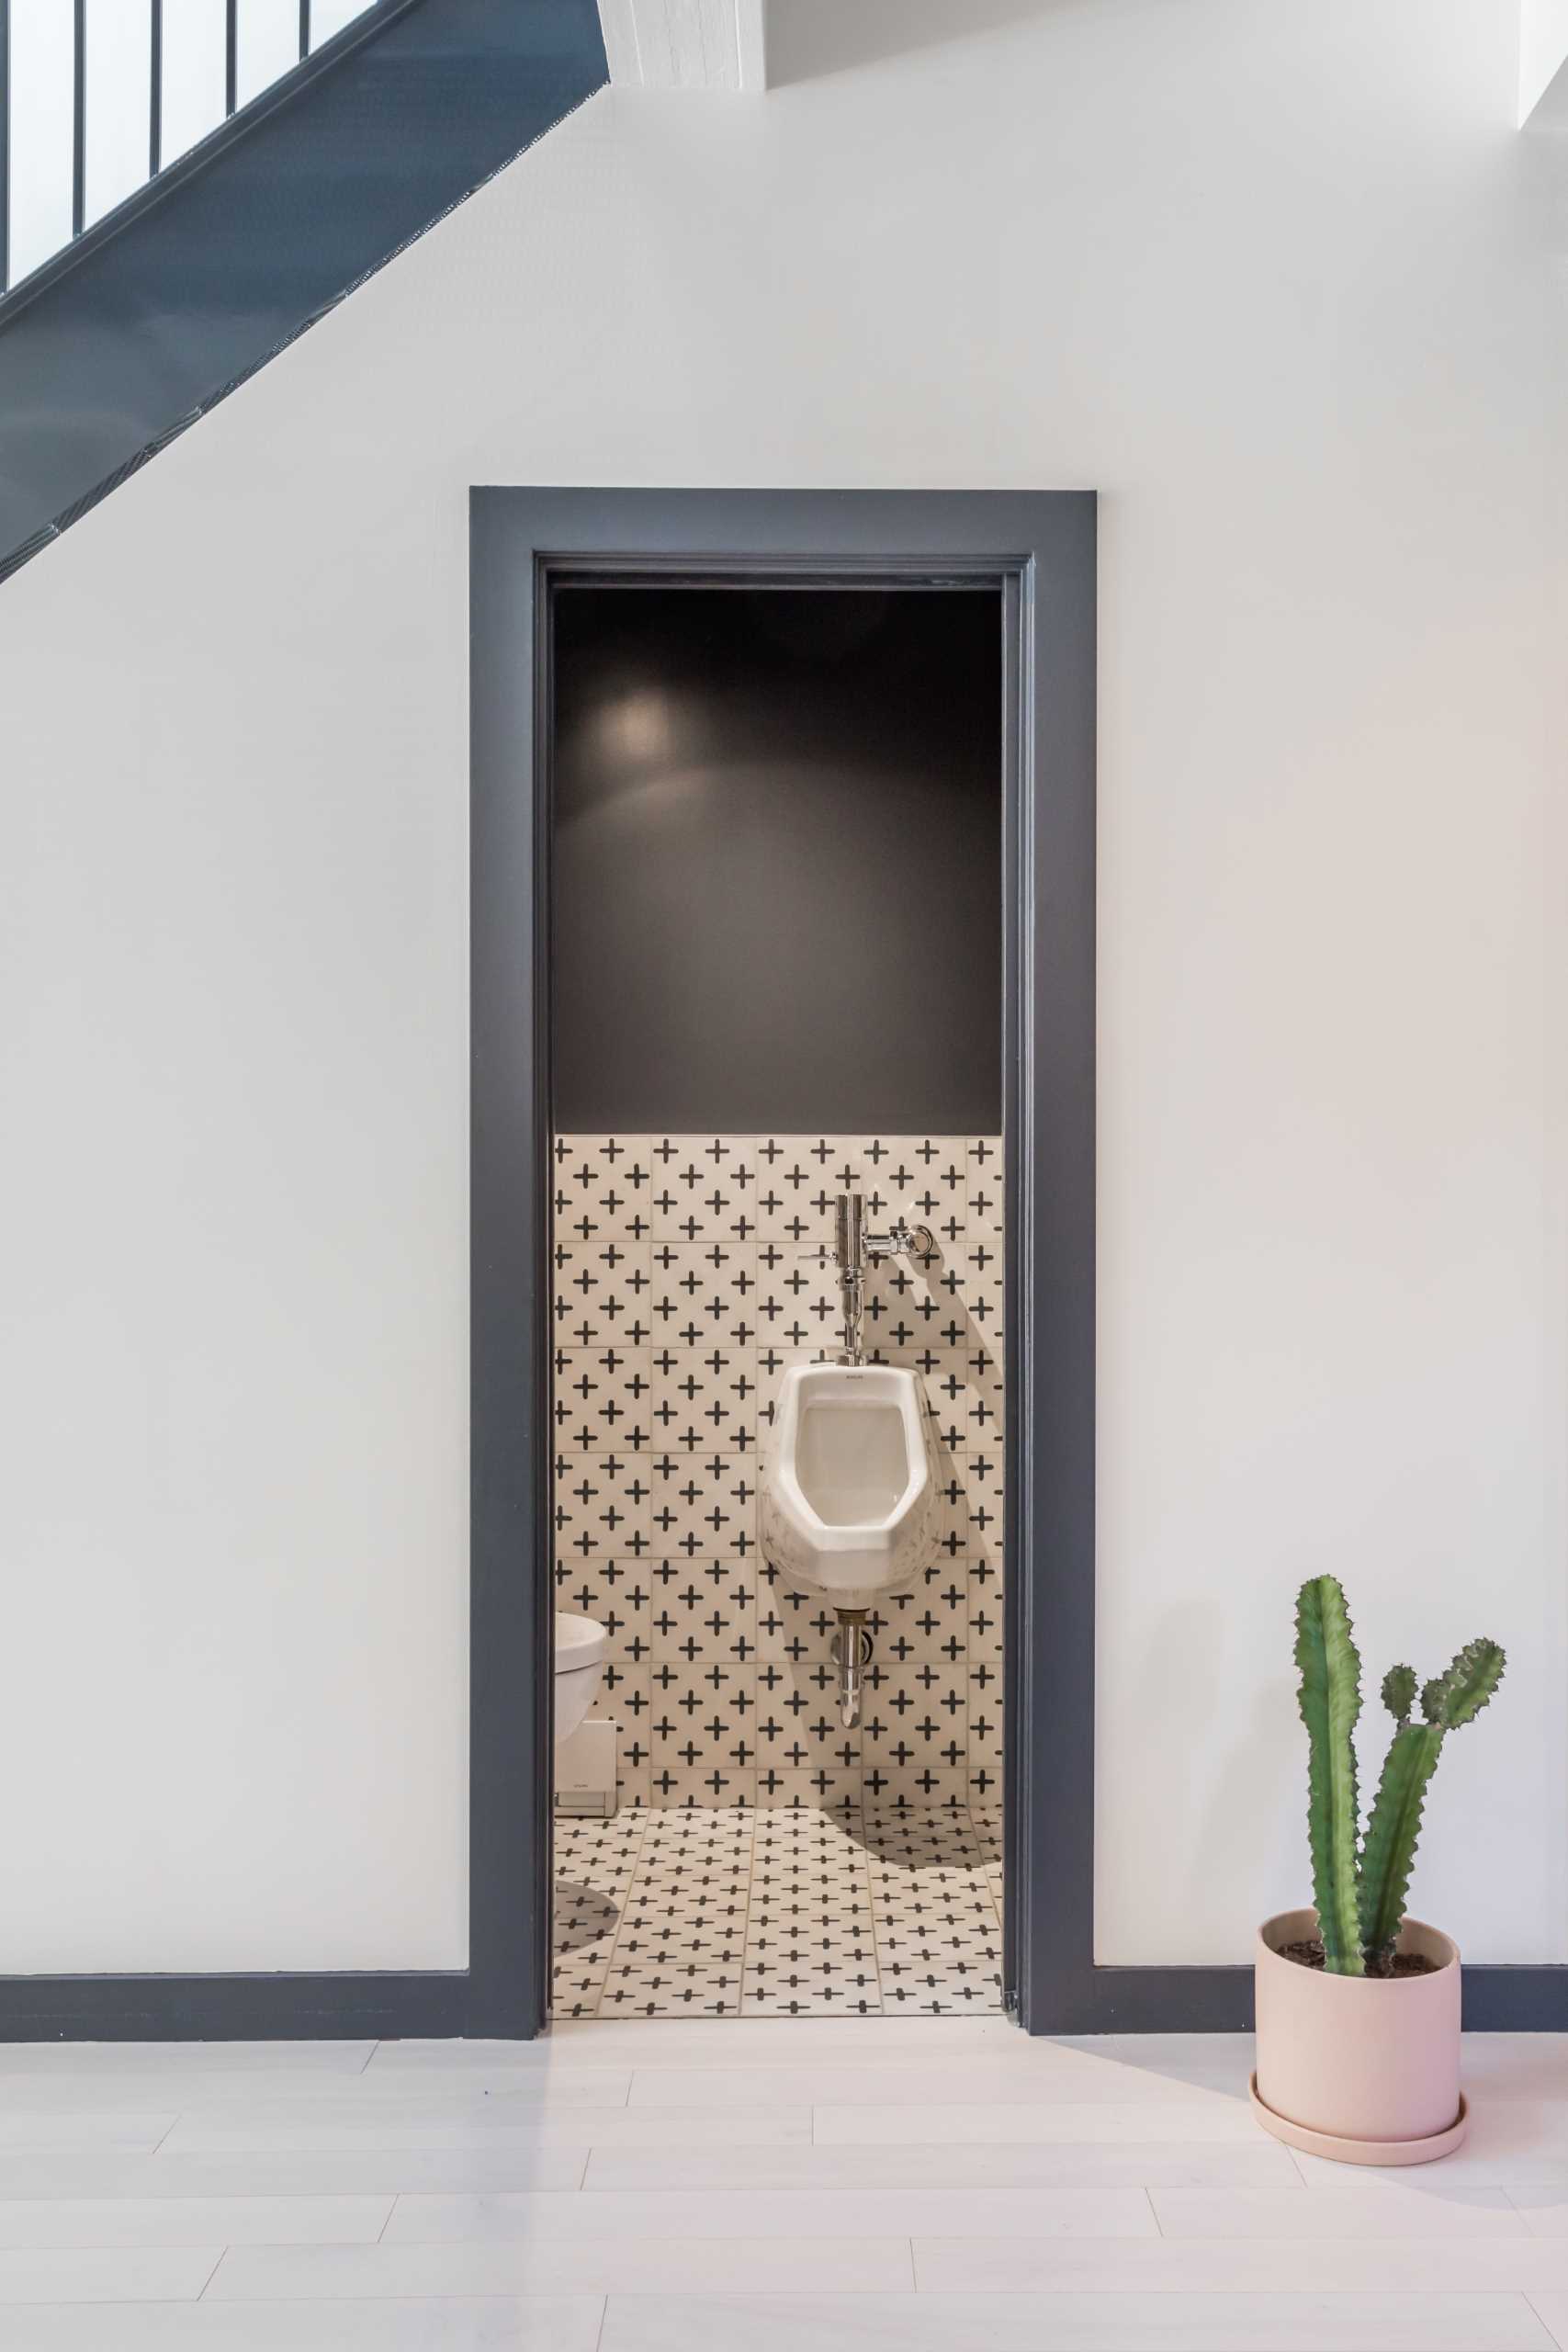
(233, 2009)
(230, 56)
(1041, 550)
(511, 1690)
(1497, 1999)
(119, 343)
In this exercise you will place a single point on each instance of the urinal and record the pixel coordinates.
(848, 1490)
(581, 1644)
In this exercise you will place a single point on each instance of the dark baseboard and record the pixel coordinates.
(234, 2008)
(399, 2004)
(1497, 1999)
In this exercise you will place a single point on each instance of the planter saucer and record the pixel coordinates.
(1362, 2151)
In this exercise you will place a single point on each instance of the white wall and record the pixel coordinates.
(1279, 283)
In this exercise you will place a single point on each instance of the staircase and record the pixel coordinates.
(141, 318)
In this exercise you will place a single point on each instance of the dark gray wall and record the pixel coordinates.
(777, 898)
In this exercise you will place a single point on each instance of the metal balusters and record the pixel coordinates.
(156, 94)
(79, 122)
(5, 144)
(110, 104)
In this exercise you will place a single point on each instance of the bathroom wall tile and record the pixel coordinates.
(673, 1788)
(617, 1593)
(601, 1398)
(704, 1295)
(602, 1185)
(946, 1379)
(707, 1609)
(710, 1506)
(985, 1506)
(980, 1284)
(798, 1178)
(704, 1188)
(818, 1790)
(672, 1402)
(983, 1184)
(797, 1727)
(983, 1760)
(918, 1178)
(601, 1292)
(925, 1739)
(913, 1308)
(703, 1721)
(704, 1400)
(625, 1700)
(987, 1368)
(601, 1507)
(633, 1792)
(790, 1624)
(798, 1303)
(922, 1787)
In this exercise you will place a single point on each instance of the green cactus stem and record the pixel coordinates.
(1390, 1852)
(1399, 1692)
(1330, 1701)
(1458, 1696)
(1448, 1702)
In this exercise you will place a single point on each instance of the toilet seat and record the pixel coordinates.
(581, 1645)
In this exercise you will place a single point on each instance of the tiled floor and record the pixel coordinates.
(903, 2184)
(788, 1912)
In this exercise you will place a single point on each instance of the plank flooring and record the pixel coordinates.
(901, 2183)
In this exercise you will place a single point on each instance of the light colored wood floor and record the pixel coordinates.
(887, 2184)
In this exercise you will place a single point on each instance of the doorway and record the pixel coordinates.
(1029, 561)
(776, 997)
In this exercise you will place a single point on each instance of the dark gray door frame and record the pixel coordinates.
(1040, 549)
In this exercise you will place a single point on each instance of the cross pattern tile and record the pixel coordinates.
(690, 1272)
(707, 1910)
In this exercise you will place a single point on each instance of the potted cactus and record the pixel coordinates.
(1358, 2005)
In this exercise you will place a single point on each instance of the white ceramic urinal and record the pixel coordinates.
(581, 1644)
(848, 1489)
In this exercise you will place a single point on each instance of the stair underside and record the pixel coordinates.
(134, 336)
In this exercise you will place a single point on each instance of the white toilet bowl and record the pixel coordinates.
(581, 1644)
(848, 1489)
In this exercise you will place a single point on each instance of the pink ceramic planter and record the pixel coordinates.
(1364, 2069)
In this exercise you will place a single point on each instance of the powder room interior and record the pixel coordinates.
(778, 1355)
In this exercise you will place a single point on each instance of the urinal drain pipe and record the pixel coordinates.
(852, 1648)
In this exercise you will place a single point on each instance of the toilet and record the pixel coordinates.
(581, 1644)
(848, 1490)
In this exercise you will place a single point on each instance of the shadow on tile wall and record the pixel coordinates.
(689, 1274)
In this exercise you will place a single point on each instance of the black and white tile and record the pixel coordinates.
(690, 1274)
(718, 1911)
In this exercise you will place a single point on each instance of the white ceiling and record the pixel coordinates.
(685, 44)
(1543, 60)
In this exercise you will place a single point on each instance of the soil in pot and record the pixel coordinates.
(1307, 1952)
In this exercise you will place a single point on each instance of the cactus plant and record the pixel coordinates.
(1359, 1889)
